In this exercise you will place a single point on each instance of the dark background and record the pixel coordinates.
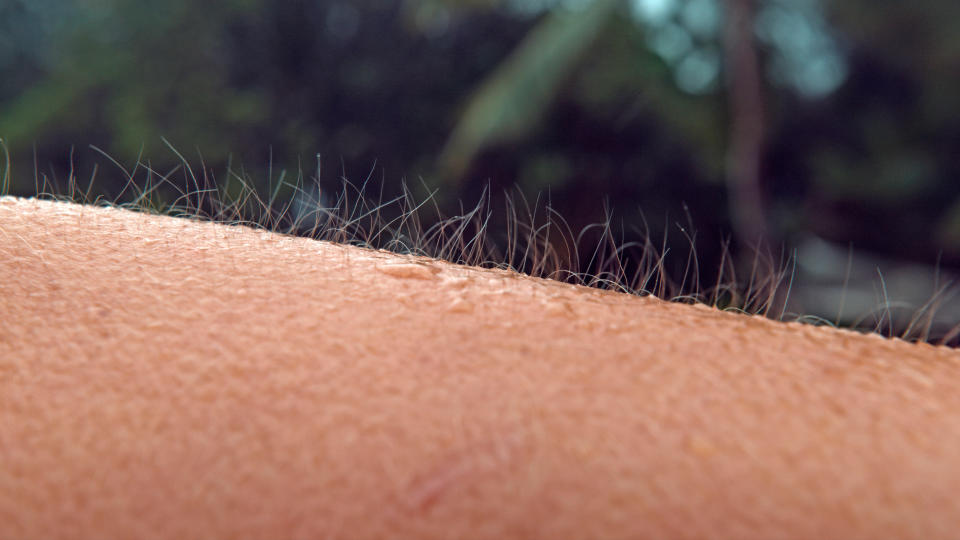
(825, 130)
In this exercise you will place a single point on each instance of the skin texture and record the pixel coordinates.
(171, 379)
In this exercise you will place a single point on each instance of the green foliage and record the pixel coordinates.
(513, 99)
(137, 71)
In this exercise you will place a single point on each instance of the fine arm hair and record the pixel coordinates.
(163, 377)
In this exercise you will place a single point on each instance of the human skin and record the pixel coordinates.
(172, 379)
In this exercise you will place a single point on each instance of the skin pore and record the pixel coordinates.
(167, 378)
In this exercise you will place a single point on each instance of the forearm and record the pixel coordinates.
(171, 379)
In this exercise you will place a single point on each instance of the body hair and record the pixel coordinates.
(537, 240)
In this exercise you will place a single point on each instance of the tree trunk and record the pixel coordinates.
(745, 101)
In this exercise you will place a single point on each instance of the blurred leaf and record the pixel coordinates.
(35, 109)
(514, 98)
(948, 230)
(891, 178)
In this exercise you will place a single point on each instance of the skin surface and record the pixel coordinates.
(171, 379)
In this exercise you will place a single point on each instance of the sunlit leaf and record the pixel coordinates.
(513, 99)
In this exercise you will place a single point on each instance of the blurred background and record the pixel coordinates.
(828, 132)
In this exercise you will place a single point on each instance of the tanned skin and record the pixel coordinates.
(171, 379)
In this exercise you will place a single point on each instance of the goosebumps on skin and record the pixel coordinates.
(171, 379)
